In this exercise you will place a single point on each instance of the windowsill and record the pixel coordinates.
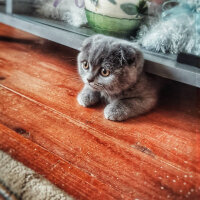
(159, 64)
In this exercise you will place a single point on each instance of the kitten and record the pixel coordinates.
(113, 69)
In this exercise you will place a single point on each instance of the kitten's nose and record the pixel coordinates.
(90, 80)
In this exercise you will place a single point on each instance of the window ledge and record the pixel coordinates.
(159, 64)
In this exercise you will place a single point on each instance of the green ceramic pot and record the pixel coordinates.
(115, 17)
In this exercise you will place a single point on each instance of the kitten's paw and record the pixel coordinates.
(116, 112)
(88, 99)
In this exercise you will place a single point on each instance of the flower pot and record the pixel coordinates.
(115, 17)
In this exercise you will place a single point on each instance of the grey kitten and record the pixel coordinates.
(113, 69)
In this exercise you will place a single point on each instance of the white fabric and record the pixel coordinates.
(25, 183)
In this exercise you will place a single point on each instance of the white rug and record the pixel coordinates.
(26, 184)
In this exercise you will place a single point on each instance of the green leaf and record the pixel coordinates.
(142, 3)
(129, 8)
(112, 1)
(95, 2)
(142, 6)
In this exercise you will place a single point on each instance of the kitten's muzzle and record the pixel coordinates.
(94, 86)
(90, 80)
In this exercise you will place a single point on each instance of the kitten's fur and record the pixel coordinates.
(128, 91)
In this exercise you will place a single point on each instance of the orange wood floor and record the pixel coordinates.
(155, 156)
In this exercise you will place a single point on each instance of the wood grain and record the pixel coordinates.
(155, 156)
(59, 86)
(54, 168)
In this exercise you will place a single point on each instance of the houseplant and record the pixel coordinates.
(115, 17)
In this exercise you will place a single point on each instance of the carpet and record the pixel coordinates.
(20, 182)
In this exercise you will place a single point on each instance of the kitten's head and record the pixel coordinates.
(109, 64)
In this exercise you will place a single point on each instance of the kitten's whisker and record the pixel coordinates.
(105, 90)
(102, 87)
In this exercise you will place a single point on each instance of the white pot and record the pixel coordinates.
(106, 7)
(115, 17)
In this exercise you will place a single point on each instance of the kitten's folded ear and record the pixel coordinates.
(131, 56)
(127, 54)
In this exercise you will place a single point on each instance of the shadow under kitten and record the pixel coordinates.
(112, 69)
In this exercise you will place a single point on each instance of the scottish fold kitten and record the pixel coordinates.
(112, 69)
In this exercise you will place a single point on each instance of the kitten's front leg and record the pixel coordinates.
(88, 97)
(120, 110)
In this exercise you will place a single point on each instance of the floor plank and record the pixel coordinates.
(158, 151)
(57, 86)
(60, 172)
(111, 161)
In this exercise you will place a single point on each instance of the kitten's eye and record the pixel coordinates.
(105, 72)
(85, 65)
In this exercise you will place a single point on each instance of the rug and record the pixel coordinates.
(19, 182)
(5, 194)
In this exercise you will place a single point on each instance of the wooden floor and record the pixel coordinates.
(155, 156)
